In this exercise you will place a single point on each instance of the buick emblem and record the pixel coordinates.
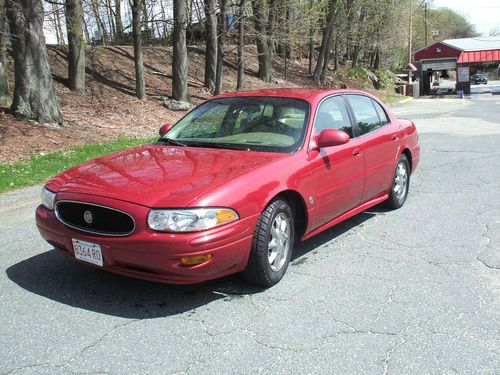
(87, 216)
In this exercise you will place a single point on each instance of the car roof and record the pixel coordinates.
(297, 92)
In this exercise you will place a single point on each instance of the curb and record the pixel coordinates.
(402, 101)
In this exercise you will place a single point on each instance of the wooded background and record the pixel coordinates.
(330, 34)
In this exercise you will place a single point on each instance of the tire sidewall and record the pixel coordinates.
(281, 207)
(398, 202)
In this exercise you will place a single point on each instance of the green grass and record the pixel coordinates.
(40, 168)
(391, 98)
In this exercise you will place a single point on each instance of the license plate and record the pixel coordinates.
(87, 251)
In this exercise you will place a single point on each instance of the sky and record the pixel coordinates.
(483, 14)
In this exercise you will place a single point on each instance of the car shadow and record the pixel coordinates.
(58, 278)
(303, 248)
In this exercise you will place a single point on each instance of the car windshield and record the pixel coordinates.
(246, 123)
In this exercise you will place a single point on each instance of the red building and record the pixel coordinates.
(459, 55)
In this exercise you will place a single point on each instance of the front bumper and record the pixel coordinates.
(155, 256)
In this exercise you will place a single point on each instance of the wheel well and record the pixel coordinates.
(299, 209)
(408, 155)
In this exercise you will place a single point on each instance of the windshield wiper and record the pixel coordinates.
(172, 142)
(229, 146)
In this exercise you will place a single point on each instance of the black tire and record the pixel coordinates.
(261, 270)
(400, 184)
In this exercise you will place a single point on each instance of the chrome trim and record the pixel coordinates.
(56, 211)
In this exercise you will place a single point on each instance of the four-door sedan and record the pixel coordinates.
(232, 185)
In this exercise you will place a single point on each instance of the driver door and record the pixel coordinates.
(336, 174)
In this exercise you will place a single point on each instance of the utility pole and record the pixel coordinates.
(410, 31)
(425, 23)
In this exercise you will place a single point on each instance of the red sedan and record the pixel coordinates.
(232, 185)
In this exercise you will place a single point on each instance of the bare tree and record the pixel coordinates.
(220, 47)
(4, 83)
(260, 16)
(34, 94)
(140, 84)
(241, 44)
(325, 41)
(180, 58)
(118, 22)
(211, 43)
(76, 48)
(103, 33)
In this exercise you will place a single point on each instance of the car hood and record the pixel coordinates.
(164, 176)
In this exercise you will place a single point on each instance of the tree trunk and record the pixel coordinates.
(180, 58)
(357, 45)
(325, 41)
(140, 85)
(34, 94)
(211, 44)
(220, 48)
(118, 22)
(145, 22)
(164, 17)
(88, 37)
(57, 17)
(100, 25)
(311, 43)
(111, 21)
(4, 84)
(76, 55)
(241, 43)
(271, 21)
(263, 50)
(287, 45)
(376, 64)
(336, 53)
(326, 61)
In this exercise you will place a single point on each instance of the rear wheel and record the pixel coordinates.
(400, 183)
(272, 245)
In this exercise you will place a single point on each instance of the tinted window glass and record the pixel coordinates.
(365, 113)
(384, 119)
(332, 114)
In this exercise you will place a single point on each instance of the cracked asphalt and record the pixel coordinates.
(412, 291)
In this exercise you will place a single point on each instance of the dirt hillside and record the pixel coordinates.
(109, 109)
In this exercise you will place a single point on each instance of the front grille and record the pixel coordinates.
(94, 219)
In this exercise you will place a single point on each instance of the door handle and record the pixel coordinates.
(394, 137)
(356, 152)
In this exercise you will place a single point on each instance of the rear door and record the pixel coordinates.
(379, 144)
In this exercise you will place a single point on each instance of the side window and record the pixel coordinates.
(382, 115)
(365, 113)
(332, 114)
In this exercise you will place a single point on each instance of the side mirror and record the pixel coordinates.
(332, 137)
(165, 128)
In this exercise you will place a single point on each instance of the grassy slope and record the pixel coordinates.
(39, 168)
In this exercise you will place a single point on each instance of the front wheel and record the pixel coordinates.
(400, 183)
(272, 245)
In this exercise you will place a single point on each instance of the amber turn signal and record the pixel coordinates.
(194, 260)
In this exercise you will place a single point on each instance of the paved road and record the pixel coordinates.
(448, 86)
(415, 290)
(490, 87)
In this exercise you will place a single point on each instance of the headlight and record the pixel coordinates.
(48, 198)
(190, 220)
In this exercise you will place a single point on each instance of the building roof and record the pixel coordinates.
(474, 44)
